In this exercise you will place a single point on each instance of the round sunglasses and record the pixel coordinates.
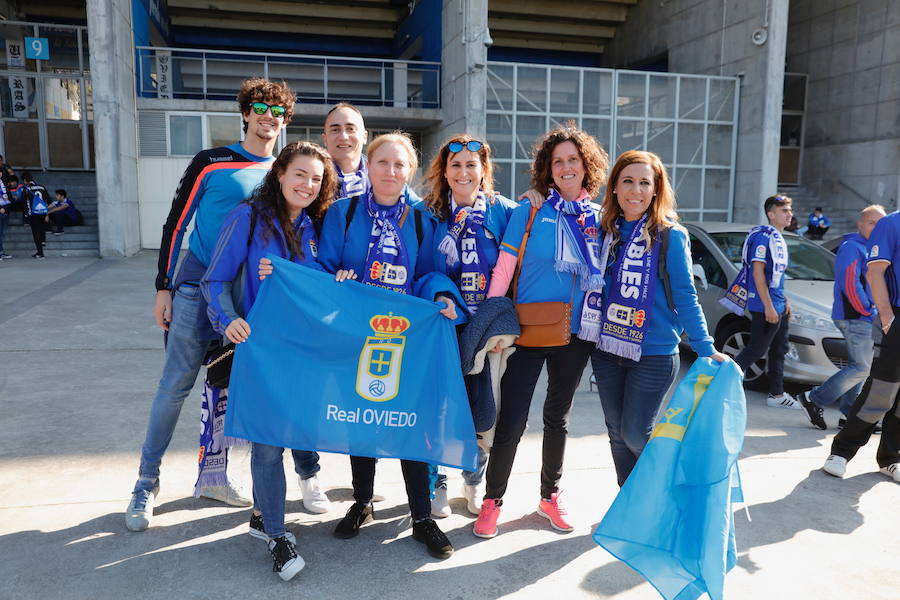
(471, 146)
(260, 108)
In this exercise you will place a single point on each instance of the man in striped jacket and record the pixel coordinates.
(852, 312)
(215, 182)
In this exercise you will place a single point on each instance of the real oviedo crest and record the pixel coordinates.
(378, 373)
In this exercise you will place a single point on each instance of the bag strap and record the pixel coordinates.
(661, 266)
(521, 255)
(419, 235)
(351, 208)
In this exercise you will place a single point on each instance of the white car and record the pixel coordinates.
(816, 347)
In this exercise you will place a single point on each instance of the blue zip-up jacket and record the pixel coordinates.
(346, 246)
(852, 299)
(666, 326)
(230, 284)
(495, 220)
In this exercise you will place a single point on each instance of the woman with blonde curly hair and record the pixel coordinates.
(647, 300)
(559, 264)
(471, 220)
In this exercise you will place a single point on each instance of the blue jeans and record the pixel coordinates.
(269, 487)
(185, 350)
(4, 223)
(631, 394)
(846, 384)
(437, 474)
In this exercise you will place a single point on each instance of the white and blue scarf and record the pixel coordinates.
(626, 314)
(737, 294)
(214, 444)
(577, 245)
(352, 184)
(387, 263)
(473, 273)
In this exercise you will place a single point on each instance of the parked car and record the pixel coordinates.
(816, 347)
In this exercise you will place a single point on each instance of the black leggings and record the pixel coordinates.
(565, 365)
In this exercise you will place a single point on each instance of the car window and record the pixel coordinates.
(806, 260)
(700, 255)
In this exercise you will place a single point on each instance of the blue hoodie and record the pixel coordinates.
(664, 331)
(234, 263)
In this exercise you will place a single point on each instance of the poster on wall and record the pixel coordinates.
(163, 74)
(18, 91)
(15, 57)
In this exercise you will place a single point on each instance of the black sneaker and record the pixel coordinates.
(429, 534)
(287, 562)
(258, 530)
(841, 423)
(358, 515)
(813, 411)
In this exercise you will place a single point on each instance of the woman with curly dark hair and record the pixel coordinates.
(556, 248)
(471, 220)
(277, 219)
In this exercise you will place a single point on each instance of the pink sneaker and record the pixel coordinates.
(486, 523)
(554, 511)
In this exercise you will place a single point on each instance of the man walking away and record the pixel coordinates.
(852, 312)
(37, 203)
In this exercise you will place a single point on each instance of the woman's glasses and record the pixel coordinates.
(260, 108)
(471, 146)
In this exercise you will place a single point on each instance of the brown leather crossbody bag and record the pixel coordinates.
(543, 324)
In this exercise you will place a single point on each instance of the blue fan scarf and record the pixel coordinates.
(387, 263)
(735, 298)
(473, 273)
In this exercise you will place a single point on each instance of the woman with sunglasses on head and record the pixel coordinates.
(471, 221)
(559, 264)
(636, 361)
(381, 226)
(277, 219)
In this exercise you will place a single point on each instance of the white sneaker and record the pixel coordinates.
(892, 471)
(440, 504)
(783, 401)
(139, 513)
(314, 499)
(835, 465)
(473, 495)
(231, 494)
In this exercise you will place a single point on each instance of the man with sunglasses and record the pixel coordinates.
(216, 181)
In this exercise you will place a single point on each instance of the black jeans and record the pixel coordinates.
(767, 336)
(879, 399)
(415, 475)
(565, 365)
(38, 232)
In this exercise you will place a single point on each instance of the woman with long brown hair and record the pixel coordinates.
(647, 300)
(277, 219)
(471, 220)
(560, 264)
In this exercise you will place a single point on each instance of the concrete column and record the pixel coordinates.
(115, 135)
(463, 72)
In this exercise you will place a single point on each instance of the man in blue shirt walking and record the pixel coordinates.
(881, 393)
(852, 312)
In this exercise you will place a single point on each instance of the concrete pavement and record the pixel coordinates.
(79, 361)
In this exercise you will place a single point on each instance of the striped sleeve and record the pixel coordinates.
(853, 289)
(184, 205)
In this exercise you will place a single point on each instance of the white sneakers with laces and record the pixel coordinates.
(314, 499)
(231, 494)
(835, 466)
(783, 401)
(892, 471)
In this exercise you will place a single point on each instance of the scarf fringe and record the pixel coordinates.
(447, 247)
(209, 479)
(735, 308)
(621, 348)
(589, 332)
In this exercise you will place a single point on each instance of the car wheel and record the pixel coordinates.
(731, 340)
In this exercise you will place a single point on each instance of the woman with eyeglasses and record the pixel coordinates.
(471, 221)
(641, 317)
(559, 264)
(277, 219)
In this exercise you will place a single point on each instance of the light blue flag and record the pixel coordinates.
(350, 368)
(673, 521)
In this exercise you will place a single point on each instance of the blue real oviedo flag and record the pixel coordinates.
(673, 521)
(350, 368)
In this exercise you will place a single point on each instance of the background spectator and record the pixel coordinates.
(818, 224)
(63, 213)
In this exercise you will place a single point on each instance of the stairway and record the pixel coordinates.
(76, 241)
(842, 221)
